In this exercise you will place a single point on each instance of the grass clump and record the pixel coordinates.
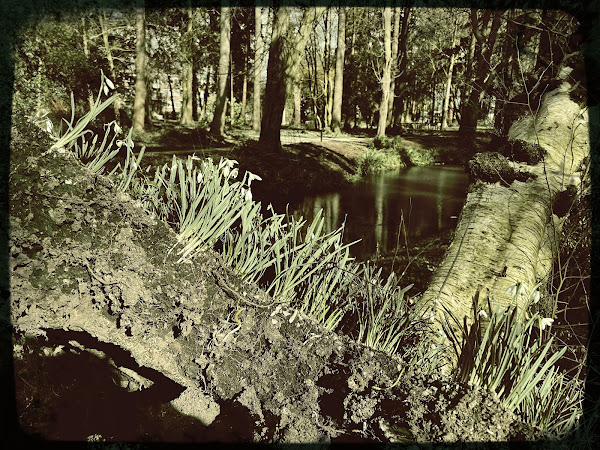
(393, 153)
(517, 362)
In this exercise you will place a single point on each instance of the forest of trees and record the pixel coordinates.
(326, 68)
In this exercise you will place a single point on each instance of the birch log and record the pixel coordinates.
(507, 232)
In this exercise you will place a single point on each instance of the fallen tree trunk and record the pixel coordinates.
(89, 262)
(509, 230)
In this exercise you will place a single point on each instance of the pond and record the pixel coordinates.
(423, 201)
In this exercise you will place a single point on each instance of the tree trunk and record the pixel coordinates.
(258, 67)
(231, 97)
(336, 114)
(283, 64)
(245, 83)
(187, 85)
(484, 74)
(387, 67)
(395, 46)
(297, 106)
(173, 112)
(195, 92)
(86, 52)
(447, 91)
(109, 57)
(141, 91)
(507, 233)
(274, 99)
(400, 84)
(206, 94)
(218, 122)
(448, 88)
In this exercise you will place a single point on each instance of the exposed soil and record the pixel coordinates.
(113, 339)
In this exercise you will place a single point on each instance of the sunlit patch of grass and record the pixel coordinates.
(375, 160)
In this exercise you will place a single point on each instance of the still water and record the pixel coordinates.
(423, 200)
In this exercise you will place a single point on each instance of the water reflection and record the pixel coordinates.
(424, 200)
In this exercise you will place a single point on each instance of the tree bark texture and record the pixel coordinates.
(395, 46)
(141, 90)
(258, 68)
(400, 85)
(274, 98)
(284, 65)
(109, 57)
(387, 68)
(507, 233)
(448, 88)
(187, 85)
(484, 72)
(218, 122)
(338, 89)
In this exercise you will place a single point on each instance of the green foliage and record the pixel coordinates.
(374, 160)
(50, 63)
(385, 316)
(201, 202)
(416, 157)
(392, 153)
(78, 130)
(506, 358)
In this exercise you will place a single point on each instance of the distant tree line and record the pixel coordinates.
(330, 68)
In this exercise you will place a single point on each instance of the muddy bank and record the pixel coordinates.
(203, 352)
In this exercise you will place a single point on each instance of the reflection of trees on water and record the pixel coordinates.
(380, 229)
(426, 197)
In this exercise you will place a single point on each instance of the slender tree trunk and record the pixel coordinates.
(447, 91)
(109, 57)
(245, 83)
(336, 114)
(395, 45)
(258, 67)
(231, 97)
(206, 94)
(171, 95)
(141, 91)
(385, 78)
(187, 85)
(195, 92)
(448, 88)
(297, 106)
(218, 122)
(400, 79)
(86, 52)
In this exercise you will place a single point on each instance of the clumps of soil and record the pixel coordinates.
(492, 167)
